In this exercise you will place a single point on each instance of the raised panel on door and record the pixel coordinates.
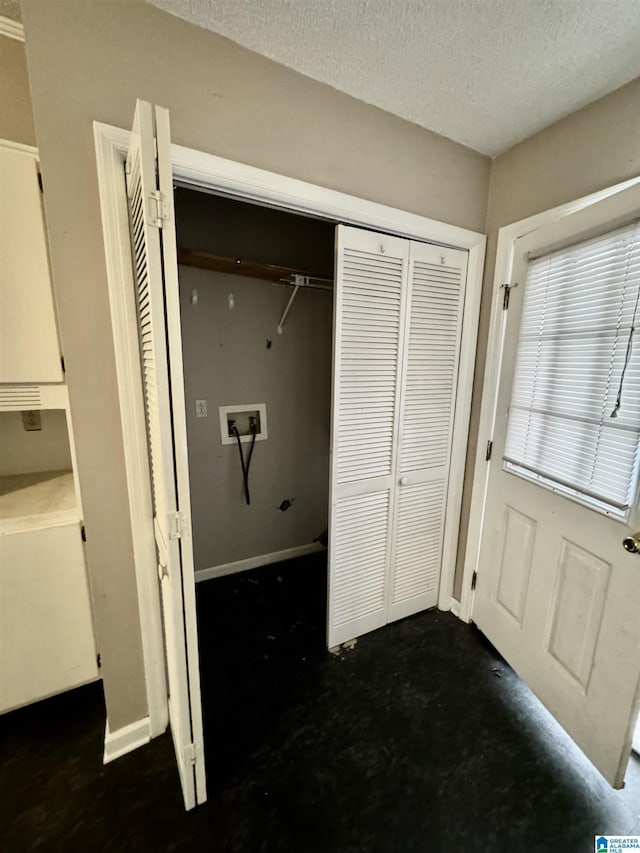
(433, 330)
(371, 271)
(29, 347)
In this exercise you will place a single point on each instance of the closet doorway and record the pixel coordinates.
(256, 312)
(388, 265)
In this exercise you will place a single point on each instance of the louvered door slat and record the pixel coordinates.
(371, 276)
(152, 267)
(433, 328)
(398, 324)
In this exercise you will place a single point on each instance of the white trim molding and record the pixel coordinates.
(256, 562)
(11, 29)
(206, 171)
(126, 739)
(505, 254)
(19, 146)
(111, 151)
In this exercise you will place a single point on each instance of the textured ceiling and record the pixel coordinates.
(486, 73)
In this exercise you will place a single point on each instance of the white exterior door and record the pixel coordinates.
(557, 593)
(397, 333)
(150, 195)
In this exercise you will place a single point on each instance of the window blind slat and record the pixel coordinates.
(580, 306)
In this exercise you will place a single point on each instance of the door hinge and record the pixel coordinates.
(474, 578)
(505, 298)
(158, 209)
(83, 533)
(177, 525)
(64, 370)
(99, 661)
(190, 754)
(489, 450)
(40, 184)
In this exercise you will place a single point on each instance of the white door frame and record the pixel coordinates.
(226, 177)
(505, 254)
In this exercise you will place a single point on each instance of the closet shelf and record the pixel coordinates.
(30, 501)
(250, 269)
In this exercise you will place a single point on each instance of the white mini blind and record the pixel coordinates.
(577, 352)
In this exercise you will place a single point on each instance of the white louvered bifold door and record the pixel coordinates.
(371, 275)
(150, 196)
(433, 329)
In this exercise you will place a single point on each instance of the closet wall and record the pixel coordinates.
(228, 360)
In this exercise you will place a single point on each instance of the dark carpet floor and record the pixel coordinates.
(419, 739)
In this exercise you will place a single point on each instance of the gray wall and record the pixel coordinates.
(227, 362)
(91, 59)
(16, 117)
(589, 150)
(25, 452)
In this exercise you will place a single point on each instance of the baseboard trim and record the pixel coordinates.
(126, 739)
(455, 607)
(256, 562)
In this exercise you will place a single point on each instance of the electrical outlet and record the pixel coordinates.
(201, 408)
(31, 421)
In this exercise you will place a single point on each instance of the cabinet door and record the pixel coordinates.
(29, 349)
(46, 630)
(433, 329)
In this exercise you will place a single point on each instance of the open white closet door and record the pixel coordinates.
(153, 241)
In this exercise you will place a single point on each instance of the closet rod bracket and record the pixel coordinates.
(299, 282)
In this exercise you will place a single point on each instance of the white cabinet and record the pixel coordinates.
(46, 627)
(29, 347)
(46, 632)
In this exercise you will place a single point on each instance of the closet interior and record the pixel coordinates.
(256, 308)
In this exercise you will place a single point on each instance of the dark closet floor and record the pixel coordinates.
(419, 739)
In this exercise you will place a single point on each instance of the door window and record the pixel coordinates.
(574, 417)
